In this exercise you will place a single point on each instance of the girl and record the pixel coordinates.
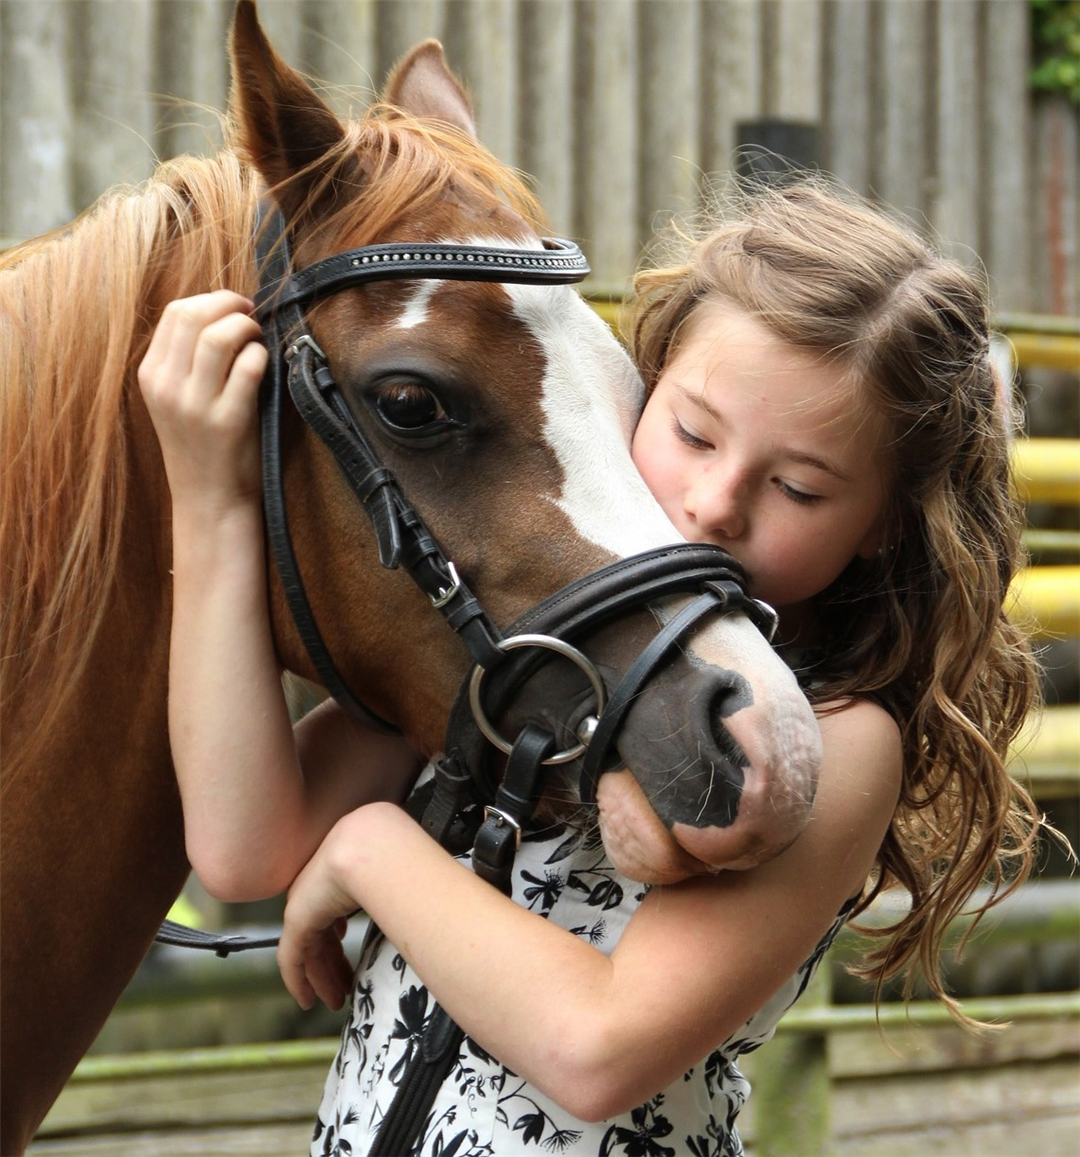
(821, 404)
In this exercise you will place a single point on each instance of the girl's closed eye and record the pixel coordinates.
(802, 497)
(687, 436)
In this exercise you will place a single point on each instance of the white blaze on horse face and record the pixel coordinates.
(592, 396)
(416, 312)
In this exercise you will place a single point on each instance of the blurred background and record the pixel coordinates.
(962, 114)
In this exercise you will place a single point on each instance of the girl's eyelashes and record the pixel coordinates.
(688, 437)
(799, 496)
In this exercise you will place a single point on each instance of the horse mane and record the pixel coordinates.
(77, 308)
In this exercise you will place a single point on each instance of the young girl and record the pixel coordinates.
(822, 405)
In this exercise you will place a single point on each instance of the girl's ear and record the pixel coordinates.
(873, 544)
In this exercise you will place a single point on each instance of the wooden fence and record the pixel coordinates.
(839, 1079)
(618, 107)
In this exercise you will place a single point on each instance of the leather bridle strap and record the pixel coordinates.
(582, 607)
(717, 596)
(400, 532)
(272, 259)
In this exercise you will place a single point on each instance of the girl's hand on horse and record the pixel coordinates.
(200, 380)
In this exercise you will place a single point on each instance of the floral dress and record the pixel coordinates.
(483, 1109)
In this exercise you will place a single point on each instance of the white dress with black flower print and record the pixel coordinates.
(483, 1109)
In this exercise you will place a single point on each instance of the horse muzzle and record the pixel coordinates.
(730, 773)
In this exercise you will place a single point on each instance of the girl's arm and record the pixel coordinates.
(604, 1033)
(256, 801)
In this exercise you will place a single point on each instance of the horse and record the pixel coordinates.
(505, 410)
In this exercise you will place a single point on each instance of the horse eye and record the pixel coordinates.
(408, 406)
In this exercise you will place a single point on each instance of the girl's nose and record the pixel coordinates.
(716, 502)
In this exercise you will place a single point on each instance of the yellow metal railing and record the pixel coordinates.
(1048, 470)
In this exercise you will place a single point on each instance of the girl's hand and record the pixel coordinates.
(200, 380)
(310, 956)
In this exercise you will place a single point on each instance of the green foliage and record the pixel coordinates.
(1056, 39)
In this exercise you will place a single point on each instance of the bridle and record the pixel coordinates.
(298, 365)
(464, 776)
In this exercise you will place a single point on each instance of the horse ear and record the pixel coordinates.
(283, 124)
(423, 85)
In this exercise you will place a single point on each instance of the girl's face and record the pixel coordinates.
(756, 445)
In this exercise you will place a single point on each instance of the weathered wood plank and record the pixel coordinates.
(192, 74)
(732, 84)
(1049, 1136)
(36, 118)
(954, 204)
(901, 145)
(669, 171)
(608, 136)
(194, 1087)
(547, 120)
(793, 69)
(482, 39)
(280, 1140)
(1006, 1093)
(848, 97)
(113, 85)
(946, 1047)
(1056, 207)
(1009, 179)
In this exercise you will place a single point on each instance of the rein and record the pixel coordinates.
(464, 779)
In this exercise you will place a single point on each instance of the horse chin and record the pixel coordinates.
(636, 841)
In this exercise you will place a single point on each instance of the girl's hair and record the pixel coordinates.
(922, 628)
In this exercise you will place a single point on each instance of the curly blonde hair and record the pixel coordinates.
(922, 629)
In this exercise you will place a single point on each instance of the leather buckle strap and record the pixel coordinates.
(499, 836)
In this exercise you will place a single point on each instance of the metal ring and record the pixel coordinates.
(552, 644)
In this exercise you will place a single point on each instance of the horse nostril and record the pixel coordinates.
(725, 701)
(731, 695)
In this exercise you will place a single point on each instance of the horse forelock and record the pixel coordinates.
(413, 172)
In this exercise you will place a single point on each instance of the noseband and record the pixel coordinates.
(298, 364)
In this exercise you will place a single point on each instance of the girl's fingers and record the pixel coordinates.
(215, 356)
(170, 355)
(246, 376)
(320, 971)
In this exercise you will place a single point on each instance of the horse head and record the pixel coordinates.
(504, 411)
